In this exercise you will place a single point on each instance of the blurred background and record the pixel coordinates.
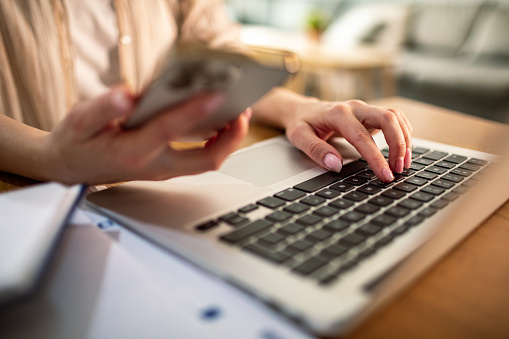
(451, 53)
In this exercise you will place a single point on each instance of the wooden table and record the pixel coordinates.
(465, 295)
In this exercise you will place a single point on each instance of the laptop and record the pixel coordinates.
(324, 249)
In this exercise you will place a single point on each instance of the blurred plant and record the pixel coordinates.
(316, 23)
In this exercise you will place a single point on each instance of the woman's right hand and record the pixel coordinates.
(90, 145)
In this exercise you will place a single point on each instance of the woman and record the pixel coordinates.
(60, 61)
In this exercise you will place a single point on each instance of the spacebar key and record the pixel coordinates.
(246, 231)
(328, 178)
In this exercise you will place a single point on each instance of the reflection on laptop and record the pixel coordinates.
(316, 245)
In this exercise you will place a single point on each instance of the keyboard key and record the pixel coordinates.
(367, 208)
(407, 172)
(384, 220)
(381, 201)
(369, 189)
(341, 203)
(422, 196)
(369, 229)
(427, 212)
(414, 221)
(328, 178)
(319, 235)
(461, 171)
(246, 231)
(296, 208)
(337, 225)
(433, 190)
(335, 250)
(207, 226)
(356, 196)
(420, 150)
(457, 159)
(423, 161)
(445, 164)
(368, 174)
(451, 196)
(309, 266)
(443, 183)
(248, 208)
(405, 187)
(356, 180)
(313, 200)
(397, 211)
(410, 204)
(326, 211)
(353, 216)
(327, 193)
(301, 245)
(271, 238)
(290, 194)
(309, 220)
(427, 175)
(271, 202)
(394, 194)
(416, 181)
(290, 229)
(439, 204)
(470, 167)
(436, 169)
(275, 257)
(278, 216)
(351, 240)
(453, 177)
(233, 219)
(416, 167)
(477, 162)
(342, 186)
(435, 155)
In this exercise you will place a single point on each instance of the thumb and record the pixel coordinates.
(90, 117)
(316, 148)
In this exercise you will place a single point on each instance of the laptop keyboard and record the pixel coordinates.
(325, 226)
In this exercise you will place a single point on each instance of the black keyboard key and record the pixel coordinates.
(278, 216)
(290, 229)
(477, 162)
(435, 155)
(326, 211)
(313, 200)
(308, 220)
(460, 190)
(427, 212)
(296, 208)
(416, 167)
(290, 194)
(436, 169)
(457, 159)
(427, 175)
(271, 239)
(462, 172)
(405, 187)
(381, 201)
(234, 219)
(420, 150)
(353, 216)
(351, 240)
(337, 225)
(453, 177)
(271, 202)
(318, 235)
(443, 183)
(275, 257)
(309, 266)
(445, 164)
(328, 178)
(424, 161)
(342, 186)
(470, 167)
(367, 208)
(381, 184)
(394, 194)
(246, 231)
(422, 196)
(207, 226)
(451, 196)
(248, 208)
(335, 250)
(407, 172)
(414, 221)
(356, 180)
(416, 181)
(384, 220)
(341, 203)
(439, 204)
(435, 190)
(411, 204)
(369, 189)
(327, 193)
(369, 229)
(397, 211)
(368, 174)
(301, 245)
(356, 196)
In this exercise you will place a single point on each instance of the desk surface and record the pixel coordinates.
(466, 294)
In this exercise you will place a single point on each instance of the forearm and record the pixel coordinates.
(22, 149)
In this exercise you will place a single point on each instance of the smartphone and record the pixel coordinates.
(242, 77)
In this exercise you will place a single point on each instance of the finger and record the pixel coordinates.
(88, 118)
(406, 128)
(357, 135)
(176, 122)
(196, 161)
(388, 122)
(304, 138)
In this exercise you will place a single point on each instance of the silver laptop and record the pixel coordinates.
(324, 249)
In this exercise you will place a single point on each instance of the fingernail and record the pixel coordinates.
(387, 173)
(332, 162)
(213, 103)
(249, 113)
(399, 165)
(121, 101)
(408, 157)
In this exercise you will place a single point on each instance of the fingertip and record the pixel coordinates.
(332, 162)
(121, 101)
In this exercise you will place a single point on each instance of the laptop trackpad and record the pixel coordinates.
(275, 161)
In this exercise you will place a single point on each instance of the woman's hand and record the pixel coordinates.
(90, 145)
(309, 123)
